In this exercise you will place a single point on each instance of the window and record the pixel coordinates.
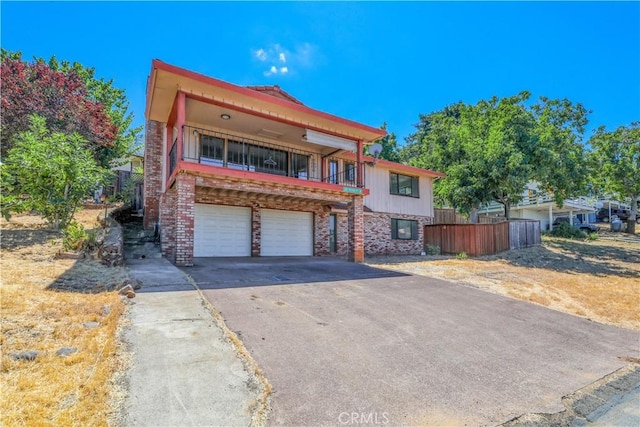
(350, 172)
(404, 229)
(333, 172)
(211, 149)
(333, 233)
(300, 166)
(404, 185)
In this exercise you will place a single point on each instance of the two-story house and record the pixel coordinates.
(251, 171)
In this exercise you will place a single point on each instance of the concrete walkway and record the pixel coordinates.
(184, 371)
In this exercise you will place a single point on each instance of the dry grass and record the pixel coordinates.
(599, 280)
(45, 304)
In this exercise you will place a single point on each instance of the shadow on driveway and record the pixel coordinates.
(224, 273)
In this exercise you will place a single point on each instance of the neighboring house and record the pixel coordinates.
(124, 172)
(251, 171)
(540, 205)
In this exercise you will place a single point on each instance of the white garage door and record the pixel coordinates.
(221, 231)
(286, 233)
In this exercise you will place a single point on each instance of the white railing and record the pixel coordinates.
(542, 198)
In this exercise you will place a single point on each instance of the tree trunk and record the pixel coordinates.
(507, 210)
(631, 221)
(473, 215)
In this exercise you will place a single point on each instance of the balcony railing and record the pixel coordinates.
(541, 198)
(229, 151)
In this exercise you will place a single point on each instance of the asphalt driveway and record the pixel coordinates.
(347, 344)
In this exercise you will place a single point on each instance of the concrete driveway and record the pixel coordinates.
(347, 344)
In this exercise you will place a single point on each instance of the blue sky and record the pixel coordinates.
(369, 62)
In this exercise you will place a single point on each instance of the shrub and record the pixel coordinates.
(75, 237)
(432, 250)
(462, 255)
(567, 231)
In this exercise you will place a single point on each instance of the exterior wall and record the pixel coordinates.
(153, 161)
(320, 215)
(168, 224)
(378, 239)
(381, 200)
(185, 215)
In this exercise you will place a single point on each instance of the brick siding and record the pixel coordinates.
(378, 239)
(152, 172)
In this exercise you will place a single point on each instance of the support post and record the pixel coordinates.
(356, 229)
(360, 164)
(180, 120)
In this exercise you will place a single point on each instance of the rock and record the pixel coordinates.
(25, 355)
(106, 310)
(137, 285)
(66, 351)
(125, 290)
(91, 325)
(131, 294)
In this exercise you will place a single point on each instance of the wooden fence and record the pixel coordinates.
(482, 239)
(524, 233)
(448, 216)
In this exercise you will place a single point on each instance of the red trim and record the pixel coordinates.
(159, 65)
(359, 164)
(395, 166)
(259, 176)
(180, 119)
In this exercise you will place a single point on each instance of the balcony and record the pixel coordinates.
(222, 150)
(540, 199)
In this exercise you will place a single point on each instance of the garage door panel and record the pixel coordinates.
(286, 233)
(221, 231)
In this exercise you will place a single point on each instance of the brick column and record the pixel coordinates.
(168, 224)
(321, 233)
(356, 229)
(255, 231)
(185, 214)
(152, 172)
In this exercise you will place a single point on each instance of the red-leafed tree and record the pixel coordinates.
(60, 97)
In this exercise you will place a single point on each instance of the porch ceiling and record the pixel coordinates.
(202, 114)
(257, 197)
(165, 80)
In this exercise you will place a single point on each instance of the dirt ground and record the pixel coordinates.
(49, 303)
(598, 280)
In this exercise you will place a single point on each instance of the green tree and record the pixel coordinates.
(72, 99)
(484, 150)
(50, 173)
(491, 150)
(616, 159)
(560, 159)
(116, 107)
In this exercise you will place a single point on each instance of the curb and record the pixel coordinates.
(588, 402)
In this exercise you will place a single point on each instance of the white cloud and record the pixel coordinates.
(275, 57)
(260, 54)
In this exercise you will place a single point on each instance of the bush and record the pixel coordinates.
(462, 255)
(567, 231)
(74, 237)
(432, 250)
